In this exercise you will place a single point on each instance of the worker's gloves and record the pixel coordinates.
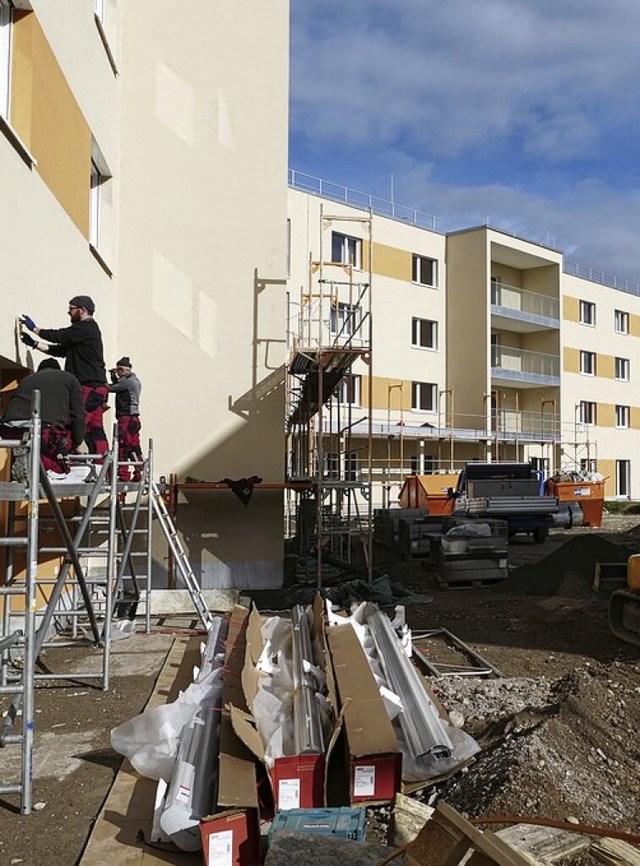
(28, 340)
(28, 322)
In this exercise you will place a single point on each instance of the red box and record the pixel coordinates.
(231, 838)
(298, 782)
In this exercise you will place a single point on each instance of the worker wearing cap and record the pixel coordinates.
(81, 346)
(61, 412)
(127, 387)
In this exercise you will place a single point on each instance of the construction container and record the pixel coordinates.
(430, 492)
(588, 494)
(345, 822)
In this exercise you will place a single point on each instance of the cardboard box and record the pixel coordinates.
(231, 838)
(298, 781)
(374, 759)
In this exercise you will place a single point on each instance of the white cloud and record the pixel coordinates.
(522, 110)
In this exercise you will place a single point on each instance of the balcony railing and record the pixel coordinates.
(522, 365)
(523, 302)
(364, 201)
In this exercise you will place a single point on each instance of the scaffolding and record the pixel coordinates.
(95, 537)
(329, 502)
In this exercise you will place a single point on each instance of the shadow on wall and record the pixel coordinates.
(230, 543)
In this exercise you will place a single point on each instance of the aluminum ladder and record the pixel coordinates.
(179, 553)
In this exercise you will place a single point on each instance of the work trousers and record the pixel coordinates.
(95, 400)
(129, 449)
(55, 446)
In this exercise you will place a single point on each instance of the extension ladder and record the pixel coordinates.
(178, 551)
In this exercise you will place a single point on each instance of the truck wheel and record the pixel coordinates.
(540, 534)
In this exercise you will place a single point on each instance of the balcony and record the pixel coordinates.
(515, 309)
(527, 369)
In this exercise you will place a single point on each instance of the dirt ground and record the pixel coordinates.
(558, 730)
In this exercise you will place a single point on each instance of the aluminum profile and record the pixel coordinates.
(307, 725)
(422, 728)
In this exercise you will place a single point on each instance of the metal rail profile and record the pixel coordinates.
(478, 667)
(216, 637)
(307, 725)
(192, 791)
(421, 725)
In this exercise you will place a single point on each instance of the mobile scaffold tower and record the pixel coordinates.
(331, 331)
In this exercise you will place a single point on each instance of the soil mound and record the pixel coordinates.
(555, 749)
(570, 568)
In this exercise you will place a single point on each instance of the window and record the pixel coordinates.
(331, 465)
(98, 8)
(349, 389)
(423, 396)
(622, 368)
(587, 412)
(589, 464)
(587, 313)
(424, 271)
(345, 319)
(5, 58)
(346, 250)
(588, 363)
(424, 333)
(99, 204)
(623, 477)
(620, 322)
(622, 416)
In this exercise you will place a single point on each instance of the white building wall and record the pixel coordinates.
(202, 263)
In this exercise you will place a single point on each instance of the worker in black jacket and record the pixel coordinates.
(81, 346)
(61, 411)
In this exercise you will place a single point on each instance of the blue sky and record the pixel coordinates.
(522, 113)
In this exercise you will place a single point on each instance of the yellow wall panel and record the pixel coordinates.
(608, 469)
(571, 362)
(48, 119)
(634, 325)
(606, 366)
(634, 419)
(606, 415)
(384, 397)
(570, 309)
(392, 262)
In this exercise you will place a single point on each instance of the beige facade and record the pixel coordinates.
(134, 169)
(517, 372)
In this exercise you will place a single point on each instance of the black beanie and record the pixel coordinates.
(83, 301)
(48, 364)
(124, 362)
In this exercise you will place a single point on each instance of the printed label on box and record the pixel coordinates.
(289, 794)
(364, 781)
(221, 848)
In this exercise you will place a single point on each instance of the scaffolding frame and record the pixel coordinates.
(332, 504)
(81, 602)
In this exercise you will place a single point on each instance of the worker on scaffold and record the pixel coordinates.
(127, 387)
(62, 414)
(81, 346)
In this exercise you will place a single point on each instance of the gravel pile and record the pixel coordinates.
(553, 748)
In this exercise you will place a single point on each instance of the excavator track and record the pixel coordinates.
(624, 615)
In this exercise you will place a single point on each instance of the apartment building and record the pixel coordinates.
(133, 168)
(483, 346)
